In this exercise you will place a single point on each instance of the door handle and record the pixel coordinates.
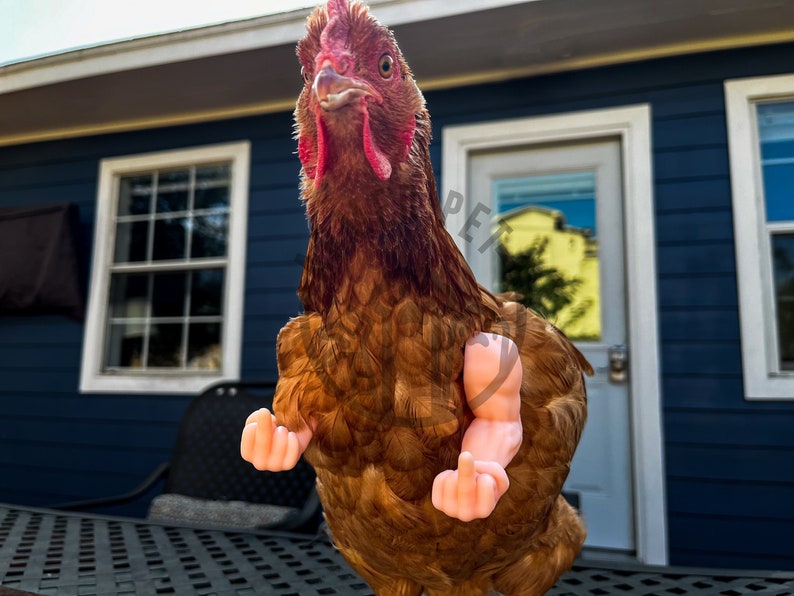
(618, 364)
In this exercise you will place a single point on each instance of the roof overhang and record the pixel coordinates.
(248, 67)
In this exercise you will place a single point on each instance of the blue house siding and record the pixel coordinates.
(56, 444)
(730, 463)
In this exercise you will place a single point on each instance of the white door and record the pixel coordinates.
(547, 221)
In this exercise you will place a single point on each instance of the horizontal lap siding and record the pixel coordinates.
(58, 445)
(277, 239)
(729, 462)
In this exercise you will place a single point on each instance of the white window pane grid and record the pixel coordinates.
(140, 340)
(166, 316)
(137, 318)
(162, 212)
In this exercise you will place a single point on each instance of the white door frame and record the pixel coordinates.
(632, 124)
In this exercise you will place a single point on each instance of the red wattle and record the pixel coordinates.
(306, 155)
(377, 159)
(322, 148)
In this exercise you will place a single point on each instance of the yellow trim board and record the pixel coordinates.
(146, 123)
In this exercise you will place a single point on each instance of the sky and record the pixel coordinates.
(30, 28)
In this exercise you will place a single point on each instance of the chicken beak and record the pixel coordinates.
(334, 91)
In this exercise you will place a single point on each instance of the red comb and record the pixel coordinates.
(336, 8)
(335, 32)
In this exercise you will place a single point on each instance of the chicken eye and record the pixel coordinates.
(386, 66)
(305, 74)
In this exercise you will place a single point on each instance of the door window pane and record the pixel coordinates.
(549, 248)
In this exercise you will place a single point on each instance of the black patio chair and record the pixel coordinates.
(207, 482)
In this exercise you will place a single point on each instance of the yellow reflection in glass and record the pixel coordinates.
(549, 248)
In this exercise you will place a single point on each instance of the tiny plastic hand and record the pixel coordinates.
(268, 446)
(472, 491)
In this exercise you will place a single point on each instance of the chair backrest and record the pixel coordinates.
(206, 460)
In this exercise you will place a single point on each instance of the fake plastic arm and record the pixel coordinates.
(492, 377)
(272, 447)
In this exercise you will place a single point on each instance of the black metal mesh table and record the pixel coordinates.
(627, 578)
(51, 552)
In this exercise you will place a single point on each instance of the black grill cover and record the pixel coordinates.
(40, 270)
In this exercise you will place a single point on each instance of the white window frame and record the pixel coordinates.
(762, 380)
(632, 124)
(92, 378)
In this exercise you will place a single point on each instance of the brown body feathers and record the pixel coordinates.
(375, 363)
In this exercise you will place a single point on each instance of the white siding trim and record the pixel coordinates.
(91, 379)
(753, 265)
(633, 125)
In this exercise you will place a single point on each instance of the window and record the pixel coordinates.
(165, 307)
(761, 136)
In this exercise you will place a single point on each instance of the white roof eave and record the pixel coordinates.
(214, 40)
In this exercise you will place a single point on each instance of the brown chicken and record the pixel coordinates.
(371, 376)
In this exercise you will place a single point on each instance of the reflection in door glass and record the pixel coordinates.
(549, 248)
